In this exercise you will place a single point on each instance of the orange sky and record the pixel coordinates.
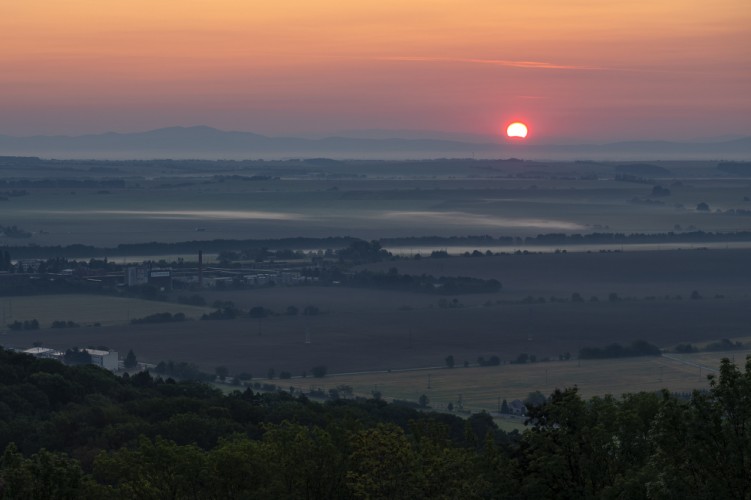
(580, 70)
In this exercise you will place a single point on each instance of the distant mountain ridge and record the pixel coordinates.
(211, 143)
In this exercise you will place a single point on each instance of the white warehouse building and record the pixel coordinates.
(105, 359)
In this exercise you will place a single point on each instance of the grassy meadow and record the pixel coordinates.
(86, 310)
(482, 388)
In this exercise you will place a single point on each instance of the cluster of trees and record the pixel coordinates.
(234, 178)
(361, 251)
(183, 247)
(633, 178)
(658, 190)
(425, 283)
(352, 250)
(225, 310)
(82, 432)
(228, 310)
(64, 324)
(615, 350)
(14, 232)
(62, 183)
(718, 345)
(735, 167)
(28, 324)
(75, 356)
(260, 255)
(14, 193)
(5, 262)
(669, 237)
(163, 317)
(182, 370)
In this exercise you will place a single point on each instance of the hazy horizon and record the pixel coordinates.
(207, 143)
(574, 72)
(405, 134)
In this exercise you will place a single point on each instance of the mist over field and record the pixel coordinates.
(469, 258)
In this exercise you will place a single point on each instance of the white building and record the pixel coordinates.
(105, 359)
(136, 276)
(44, 352)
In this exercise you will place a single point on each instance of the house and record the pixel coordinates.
(517, 407)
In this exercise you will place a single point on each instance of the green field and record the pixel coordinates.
(483, 388)
(86, 310)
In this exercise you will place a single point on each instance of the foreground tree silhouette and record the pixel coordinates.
(704, 447)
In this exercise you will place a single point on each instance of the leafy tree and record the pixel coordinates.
(222, 372)
(5, 261)
(311, 311)
(237, 468)
(504, 408)
(319, 371)
(522, 358)
(75, 356)
(44, 475)
(130, 360)
(383, 464)
(360, 251)
(450, 361)
(307, 462)
(703, 448)
(258, 312)
(535, 399)
(154, 469)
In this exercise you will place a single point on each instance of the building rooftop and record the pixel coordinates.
(96, 352)
(38, 350)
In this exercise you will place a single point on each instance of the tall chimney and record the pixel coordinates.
(200, 269)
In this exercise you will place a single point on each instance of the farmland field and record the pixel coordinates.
(363, 329)
(482, 388)
(85, 310)
(555, 299)
(372, 200)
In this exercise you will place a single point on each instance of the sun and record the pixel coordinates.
(516, 130)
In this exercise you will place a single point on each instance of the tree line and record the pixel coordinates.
(345, 242)
(82, 432)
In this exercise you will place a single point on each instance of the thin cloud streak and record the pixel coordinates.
(508, 63)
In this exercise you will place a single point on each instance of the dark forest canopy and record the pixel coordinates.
(82, 432)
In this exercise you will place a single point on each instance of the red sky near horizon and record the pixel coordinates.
(573, 70)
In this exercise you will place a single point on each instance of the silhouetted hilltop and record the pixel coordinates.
(208, 142)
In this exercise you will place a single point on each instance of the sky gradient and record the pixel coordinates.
(581, 71)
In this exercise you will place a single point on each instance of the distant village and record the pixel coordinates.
(54, 274)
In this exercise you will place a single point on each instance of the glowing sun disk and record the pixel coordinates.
(517, 129)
